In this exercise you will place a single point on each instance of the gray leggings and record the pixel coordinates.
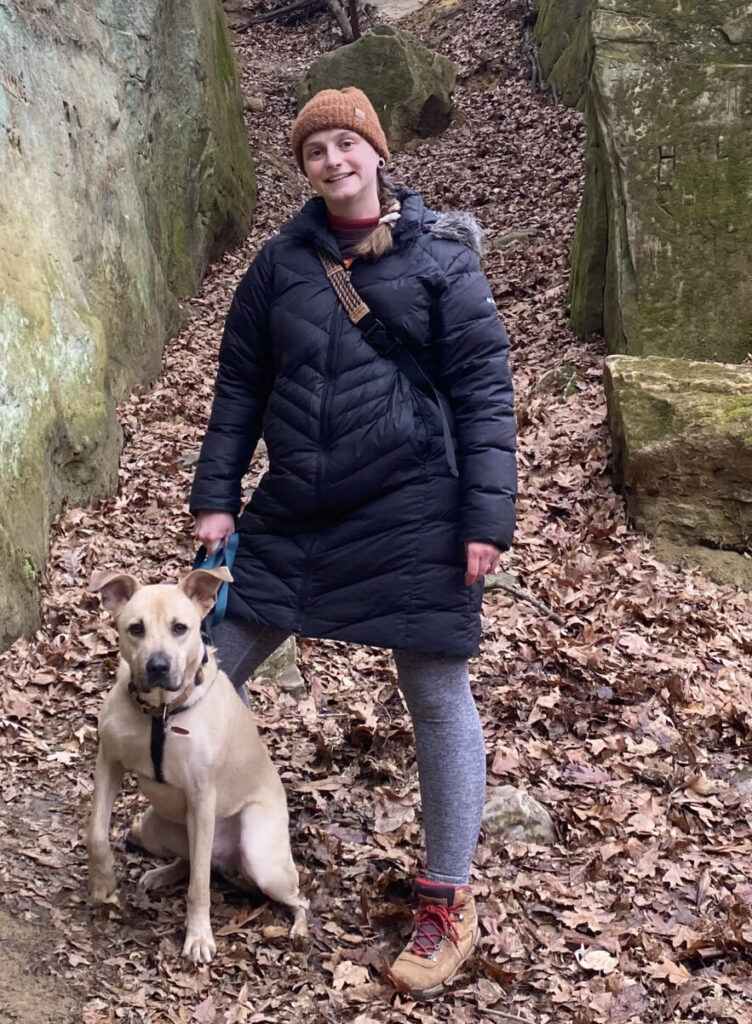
(448, 740)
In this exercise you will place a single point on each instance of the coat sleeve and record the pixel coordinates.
(474, 374)
(244, 381)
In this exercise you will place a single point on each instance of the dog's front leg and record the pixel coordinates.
(108, 778)
(199, 943)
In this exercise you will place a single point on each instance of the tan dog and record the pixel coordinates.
(175, 719)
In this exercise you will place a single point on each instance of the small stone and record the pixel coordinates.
(562, 379)
(742, 781)
(283, 658)
(515, 815)
(255, 103)
(291, 681)
(510, 237)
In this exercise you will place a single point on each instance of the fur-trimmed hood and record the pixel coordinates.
(459, 226)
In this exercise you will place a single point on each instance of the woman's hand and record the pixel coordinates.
(213, 527)
(481, 558)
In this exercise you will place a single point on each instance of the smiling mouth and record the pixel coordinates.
(339, 177)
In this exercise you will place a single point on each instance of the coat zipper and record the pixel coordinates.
(326, 402)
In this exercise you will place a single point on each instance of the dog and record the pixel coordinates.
(175, 719)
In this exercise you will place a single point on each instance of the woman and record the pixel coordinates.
(370, 526)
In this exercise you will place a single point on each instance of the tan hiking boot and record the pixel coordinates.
(446, 931)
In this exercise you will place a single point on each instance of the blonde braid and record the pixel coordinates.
(380, 239)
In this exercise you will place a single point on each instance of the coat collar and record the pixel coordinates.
(311, 224)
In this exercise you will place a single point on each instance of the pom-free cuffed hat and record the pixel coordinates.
(338, 108)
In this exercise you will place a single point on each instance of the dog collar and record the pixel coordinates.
(159, 716)
(165, 711)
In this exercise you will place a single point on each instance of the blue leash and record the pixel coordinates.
(222, 555)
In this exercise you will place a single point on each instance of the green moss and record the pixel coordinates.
(589, 246)
(564, 51)
(30, 573)
(224, 61)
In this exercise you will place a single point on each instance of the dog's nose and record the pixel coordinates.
(157, 667)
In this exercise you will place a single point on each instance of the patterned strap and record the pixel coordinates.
(386, 345)
(355, 307)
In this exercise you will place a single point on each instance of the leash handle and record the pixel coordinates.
(223, 554)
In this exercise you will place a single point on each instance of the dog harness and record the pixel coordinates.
(159, 716)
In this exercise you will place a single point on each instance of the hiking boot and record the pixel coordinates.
(446, 931)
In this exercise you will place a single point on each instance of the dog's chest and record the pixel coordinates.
(159, 752)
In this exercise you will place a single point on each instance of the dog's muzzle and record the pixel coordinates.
(157, 674)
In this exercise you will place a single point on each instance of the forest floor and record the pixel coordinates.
(632, 722)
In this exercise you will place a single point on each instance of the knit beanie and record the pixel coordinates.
(338, 108)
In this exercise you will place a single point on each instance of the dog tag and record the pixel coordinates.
(177, 728)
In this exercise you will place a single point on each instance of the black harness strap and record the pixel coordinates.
(157, 747)
(157, 738)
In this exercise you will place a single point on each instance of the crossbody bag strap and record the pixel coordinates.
(387, 345)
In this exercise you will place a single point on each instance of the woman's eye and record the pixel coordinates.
(346, 143)
(136, 629)
(179, 628)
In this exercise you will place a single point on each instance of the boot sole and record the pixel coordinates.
(437, 990)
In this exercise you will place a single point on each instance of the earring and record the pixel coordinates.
(382, 163)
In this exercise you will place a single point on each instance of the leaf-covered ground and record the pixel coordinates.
(631, 722)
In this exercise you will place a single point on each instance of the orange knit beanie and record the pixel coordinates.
(338, 108)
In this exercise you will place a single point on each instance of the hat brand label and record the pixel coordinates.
(359, 113)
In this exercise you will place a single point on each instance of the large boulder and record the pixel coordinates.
(682, 435)
(125, 168)
(665, 228)
(409, 85)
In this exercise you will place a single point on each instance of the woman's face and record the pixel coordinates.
(342, 167)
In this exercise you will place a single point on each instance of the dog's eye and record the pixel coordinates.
(136, 629)
(179, 628)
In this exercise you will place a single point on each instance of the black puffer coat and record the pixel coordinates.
(356, 532)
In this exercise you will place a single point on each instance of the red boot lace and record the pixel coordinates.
(433, 922)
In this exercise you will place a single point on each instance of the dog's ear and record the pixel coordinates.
(202, 585)
(115, 589)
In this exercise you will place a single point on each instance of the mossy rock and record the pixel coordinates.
(682, 436)
(664, 230)
(563, 37)
(127, 170)
(409, 85)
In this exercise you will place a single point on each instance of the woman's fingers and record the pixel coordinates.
(481, 559)
(214, 527)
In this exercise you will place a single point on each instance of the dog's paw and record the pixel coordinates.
(199, 947)
(162, 878)
(299, 930)
(103, 891)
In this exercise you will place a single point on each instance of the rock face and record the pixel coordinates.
(664, 232)
(562, 31)
(409, 85)
(125, 167)
(682, 434)
(514, 814)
